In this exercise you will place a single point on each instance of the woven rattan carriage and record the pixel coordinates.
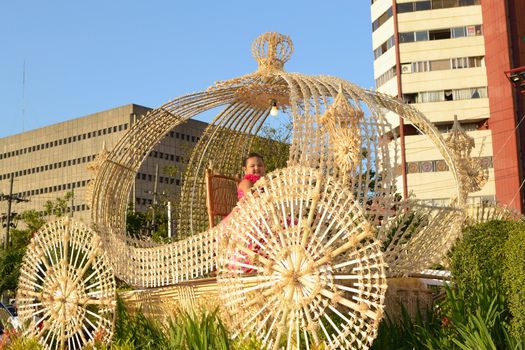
(319, 237)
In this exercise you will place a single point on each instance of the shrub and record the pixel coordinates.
(455, 323)
(514, 278)
(480, 252)
(494, 251)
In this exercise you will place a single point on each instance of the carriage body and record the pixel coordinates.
(302, 261)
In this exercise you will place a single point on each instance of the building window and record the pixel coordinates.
(433, 5)
(422, 66)
(421, 35)
(474, 30)
(382, 19)
(453, 63)
(405, 7)
(410, 98)
(445, 95)
(406, 37)
(383, 78)
(459, 32)
(384, 47)
(439, 65)
(439, 34)
(422, 5)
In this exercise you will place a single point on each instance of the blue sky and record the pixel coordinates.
(84, 57)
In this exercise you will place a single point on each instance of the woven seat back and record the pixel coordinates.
(221, 196)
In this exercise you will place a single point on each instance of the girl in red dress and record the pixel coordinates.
(254, 169)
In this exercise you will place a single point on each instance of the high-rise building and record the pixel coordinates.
(48, 162)
(448, 58)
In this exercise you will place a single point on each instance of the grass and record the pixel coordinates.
(200, 330)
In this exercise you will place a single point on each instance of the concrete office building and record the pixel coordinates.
(48, 162)
(448, 57)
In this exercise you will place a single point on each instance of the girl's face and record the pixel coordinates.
(255, 165)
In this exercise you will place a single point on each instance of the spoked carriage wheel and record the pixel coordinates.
(66, 291)
(299, 265)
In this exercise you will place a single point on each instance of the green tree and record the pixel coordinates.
(59, 206)
(32, 221)
(274, 145)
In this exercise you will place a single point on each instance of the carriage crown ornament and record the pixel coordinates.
(300, 263)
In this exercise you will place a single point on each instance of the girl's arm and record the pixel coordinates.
(245, 185)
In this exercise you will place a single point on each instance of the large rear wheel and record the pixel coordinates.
(299, 265)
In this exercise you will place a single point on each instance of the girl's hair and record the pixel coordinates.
(251, 155)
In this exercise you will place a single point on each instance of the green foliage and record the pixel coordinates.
(185, 331)
(11, 340)
(402, 228)
(487, 299)
(32, 221)
(136, 222)
(152, 224)
(457, 323)
(514, 278)
(59, 206)
(274, 145)
(479, 317)
(481, 252)
(494, 251)
(11, 258)
(10, 261)
(406, 333)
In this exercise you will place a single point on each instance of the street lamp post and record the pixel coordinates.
(517, 77)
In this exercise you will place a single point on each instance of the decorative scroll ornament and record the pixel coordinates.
(342, 120)
(471, 172)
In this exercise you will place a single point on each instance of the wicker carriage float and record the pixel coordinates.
(302, 261)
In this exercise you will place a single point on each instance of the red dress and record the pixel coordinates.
(250, 177)
(240, 194)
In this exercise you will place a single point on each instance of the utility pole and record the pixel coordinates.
(10, 198)
(155, 194)
(169, 219)
(72, 201)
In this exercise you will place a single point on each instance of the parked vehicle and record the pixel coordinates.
(8, 317)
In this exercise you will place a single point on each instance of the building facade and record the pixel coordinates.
(47, 163)
(447, 58)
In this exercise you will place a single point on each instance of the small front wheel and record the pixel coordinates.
(66, 290)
